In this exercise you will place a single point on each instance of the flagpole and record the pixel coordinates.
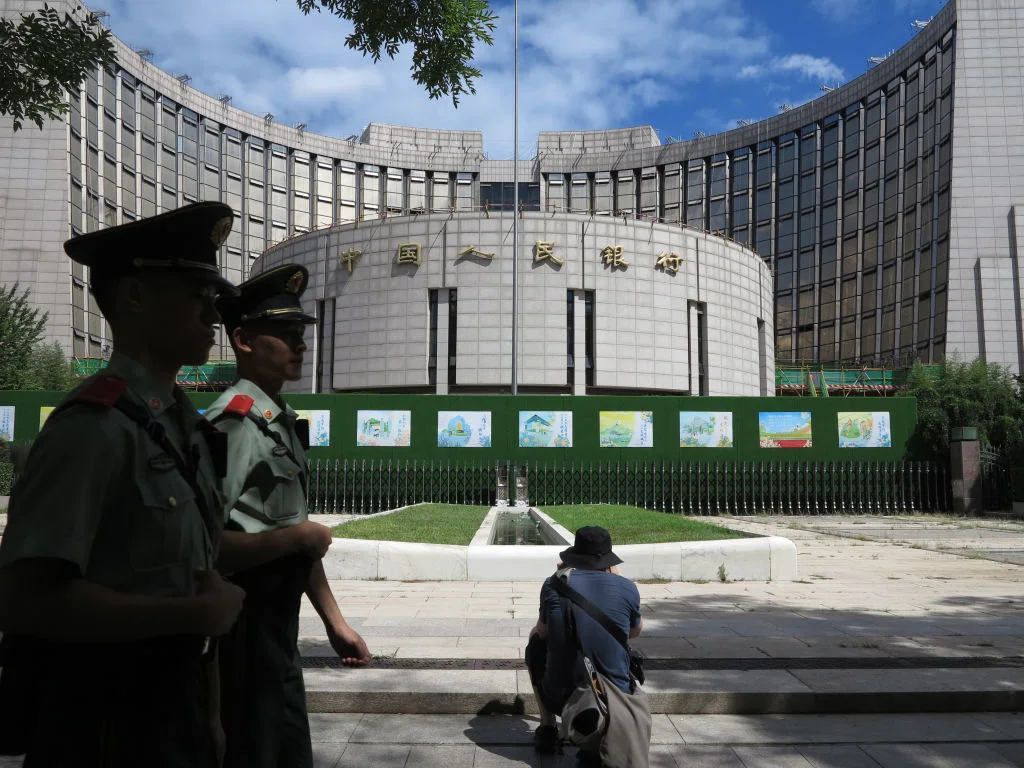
(515, 210)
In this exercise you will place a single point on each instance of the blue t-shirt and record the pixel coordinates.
(619, 599)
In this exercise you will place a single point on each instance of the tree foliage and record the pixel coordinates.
(443, 34)
(49, 369)
(45, 54)
(961, 394)
(21, 328)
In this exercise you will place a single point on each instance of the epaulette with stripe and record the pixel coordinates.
(239, 405)
(104, 390)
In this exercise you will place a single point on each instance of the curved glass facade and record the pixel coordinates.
(847, 198)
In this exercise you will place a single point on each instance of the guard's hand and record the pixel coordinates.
(312, 539)
(350, 647)
(220, 602)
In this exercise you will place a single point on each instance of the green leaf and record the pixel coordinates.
(443, 34)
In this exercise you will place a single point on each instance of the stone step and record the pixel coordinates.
(715, 691)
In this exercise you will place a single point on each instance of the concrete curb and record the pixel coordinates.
(731, 692)
(714, 703)
(762, 558)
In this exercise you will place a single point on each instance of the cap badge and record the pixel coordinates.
(294, 284)
(221, 230)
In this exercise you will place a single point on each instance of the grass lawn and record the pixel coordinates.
(632, 525)
(425, 523)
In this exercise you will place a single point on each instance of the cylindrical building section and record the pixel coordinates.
(607, 306)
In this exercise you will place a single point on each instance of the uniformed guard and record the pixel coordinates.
(108, 597)
(270, 547)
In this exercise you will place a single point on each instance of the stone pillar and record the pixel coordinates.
(580, 343)
(965, 467)
(442, 342)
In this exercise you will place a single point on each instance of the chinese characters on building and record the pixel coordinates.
(612, 256)
(349, 258)
(408, 253)
(668, 262)
(476, 253)
(545, 251)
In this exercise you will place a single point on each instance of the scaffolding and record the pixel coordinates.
(211, 377)
(838, 381)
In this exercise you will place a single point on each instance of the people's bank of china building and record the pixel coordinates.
(875, 225)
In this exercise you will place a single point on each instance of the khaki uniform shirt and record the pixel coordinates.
(98, 492)
(265, 488)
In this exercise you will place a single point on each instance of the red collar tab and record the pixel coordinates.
(103, 390)
(239, 405)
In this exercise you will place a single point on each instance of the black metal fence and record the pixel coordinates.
(692, 488)
(996, 484)
(363, 487)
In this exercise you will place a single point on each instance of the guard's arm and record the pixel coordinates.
(48, 599)
(240, 550)
(347, 643)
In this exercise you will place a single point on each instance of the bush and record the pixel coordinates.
(961, 394)
(6, 477)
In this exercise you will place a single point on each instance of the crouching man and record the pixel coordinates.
(555, 657)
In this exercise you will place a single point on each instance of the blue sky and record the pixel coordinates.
(678, 65)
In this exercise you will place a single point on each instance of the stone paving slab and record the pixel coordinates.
(874, 603)
(819, 741)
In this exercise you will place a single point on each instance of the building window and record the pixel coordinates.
(570, 324)
(453, 327)
(432, 352)
(588, 309)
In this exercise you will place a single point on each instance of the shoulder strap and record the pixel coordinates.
(241, 405)
(158, 434)
(562, 587)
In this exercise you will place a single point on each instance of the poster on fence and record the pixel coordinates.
(390, 429)
(626, 429)
(545, 429)
(463, 429)
(784, 429)
(44, 414)
(864, 429)
(705, 429)
(319, 427)
(7, 423)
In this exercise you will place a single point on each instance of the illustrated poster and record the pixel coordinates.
(464, 429)
(545, 429)
(705, 429)
(784, 429)
(864, 429)
(626, 429)
(319, 427)
(392, 429)
(44, 414)
(7, 423)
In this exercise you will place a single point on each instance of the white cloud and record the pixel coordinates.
(584, 64)
(836, 10)
(317, 84)
(810, 67)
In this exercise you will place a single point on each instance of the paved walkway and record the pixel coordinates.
(874, 623)
(708, 741)
(855, 597)
(684, 741)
